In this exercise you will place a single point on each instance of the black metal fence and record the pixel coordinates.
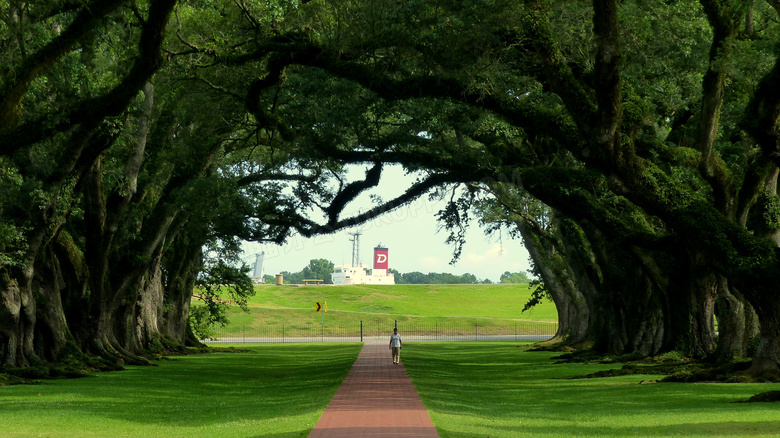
(380, 332)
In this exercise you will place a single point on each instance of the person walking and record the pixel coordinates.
(395, 346)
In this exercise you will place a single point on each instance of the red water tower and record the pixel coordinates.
(381, 259)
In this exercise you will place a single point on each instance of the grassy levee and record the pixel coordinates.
(498, 390)
(273, 391)
(485, 305)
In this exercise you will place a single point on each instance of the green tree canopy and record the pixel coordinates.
(136, 134)
(318, 269)
(514, 277)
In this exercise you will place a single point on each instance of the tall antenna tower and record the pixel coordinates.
(355, 246)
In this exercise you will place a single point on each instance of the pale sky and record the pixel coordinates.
(409, 233)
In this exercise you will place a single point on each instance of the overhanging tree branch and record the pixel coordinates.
(292, 220)
(607, 77)
(351, 191)
(724, 18)
(763, 112)
(110, 104)
(90, 17)
(556, 72)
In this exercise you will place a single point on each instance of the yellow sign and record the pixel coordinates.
(322, 306)
(319, 306)
(325, 306)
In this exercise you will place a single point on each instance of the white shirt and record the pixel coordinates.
(395, 340)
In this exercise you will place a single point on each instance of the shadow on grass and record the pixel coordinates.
(712, 429)
(500, 390)
(201, 390)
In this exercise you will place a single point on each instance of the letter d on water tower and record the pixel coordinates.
(381, 258)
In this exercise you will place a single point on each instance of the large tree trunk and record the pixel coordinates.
(115, 331)
(737, 324)
(18, 307)
(695, 320)
(51, 328)
(183, 264)
(149, 309)
(17, 323)
(586, 278)
(641, 318)
(75, 290)
(634, 320)
(631, 303)
(573, 311)
(766, 361)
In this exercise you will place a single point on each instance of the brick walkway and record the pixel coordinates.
(377, 399)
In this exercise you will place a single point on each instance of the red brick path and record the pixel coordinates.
(377, 399)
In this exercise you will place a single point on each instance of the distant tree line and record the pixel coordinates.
(416, 277)
(322, 269)
(317, 269)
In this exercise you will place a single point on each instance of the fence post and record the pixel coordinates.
(396, 323)
(361, 330)
(243, 333)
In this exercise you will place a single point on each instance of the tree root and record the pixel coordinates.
(764, 397)
(680, 370)
(563, 345)
(673, 365)
(73, 363)
(10, 379)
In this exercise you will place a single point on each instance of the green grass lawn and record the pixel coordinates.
(273, 391)
(501, 390)
(485, 305)
(471, 390)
